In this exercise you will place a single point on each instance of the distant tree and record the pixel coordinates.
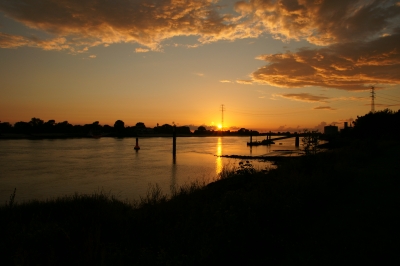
(164, 129)
(36, 125)
(107, 128)
(183, 130)
(202, 129)
(50, 122)
(119, 124)
(243, 131)
(140, 125)
(5, 127)
(48, 127)
(63, 127)
(310, 142)
(96, 126)
(36, 122)
(22, 127)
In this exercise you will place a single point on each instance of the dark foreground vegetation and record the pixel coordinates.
(335, 207)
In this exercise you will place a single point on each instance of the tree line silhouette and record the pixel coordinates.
(37, 127)
(379, 124)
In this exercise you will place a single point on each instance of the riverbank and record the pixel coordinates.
(6, 136)
(336, 207)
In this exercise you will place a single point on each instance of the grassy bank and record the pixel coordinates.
(335, 207)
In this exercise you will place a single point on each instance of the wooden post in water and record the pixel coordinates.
(174, 142)
(137, 144)
(297, 141)
(251, 136)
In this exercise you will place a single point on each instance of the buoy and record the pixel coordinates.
(137, 145)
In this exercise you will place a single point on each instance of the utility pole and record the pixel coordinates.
(222, 118)
(372, 99)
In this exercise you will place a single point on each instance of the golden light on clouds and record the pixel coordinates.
(349, 66)
(323, 51)
(141, 50)
(80, 24)
(246, 82)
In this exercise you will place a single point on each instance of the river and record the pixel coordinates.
(44, 169)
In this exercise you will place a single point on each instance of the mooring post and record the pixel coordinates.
(297, 142)
(137, 144)
(251, 136)
(174, 141)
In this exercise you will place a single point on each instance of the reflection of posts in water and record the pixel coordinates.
(251, 140)
(218, 161)
(297, 141)
(174, 141)
(172, 185)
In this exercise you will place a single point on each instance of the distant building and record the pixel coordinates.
(331, 130)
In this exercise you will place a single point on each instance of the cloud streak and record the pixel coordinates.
(245, 82)
(323, 108)
(304, 97)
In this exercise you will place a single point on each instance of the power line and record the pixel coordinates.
(388, 99)
(389, 95)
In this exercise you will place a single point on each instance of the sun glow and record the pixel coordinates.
(219, 126)
(218, 161)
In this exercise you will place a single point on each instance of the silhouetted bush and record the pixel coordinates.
(378, 125)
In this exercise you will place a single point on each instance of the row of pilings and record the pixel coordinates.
(269, 137)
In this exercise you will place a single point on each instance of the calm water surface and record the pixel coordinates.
(42, 169)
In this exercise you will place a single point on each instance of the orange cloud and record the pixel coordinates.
(14, 41)
(83, 24)
(348, 66)
(304, 97)
(323, 108)
(322, 22)
(91, 23)
(141, 50)
(246, 82)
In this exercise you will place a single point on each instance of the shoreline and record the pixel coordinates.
(78, 136)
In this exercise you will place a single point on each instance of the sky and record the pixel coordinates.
(281, 65)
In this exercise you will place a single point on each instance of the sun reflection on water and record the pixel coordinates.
(218, 161)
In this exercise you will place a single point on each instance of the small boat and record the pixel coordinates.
(258, 143)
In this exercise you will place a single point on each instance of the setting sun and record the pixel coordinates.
(219, 126)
